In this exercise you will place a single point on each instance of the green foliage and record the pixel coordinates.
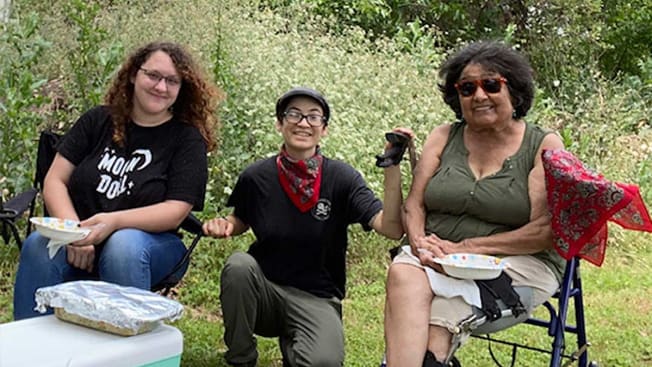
(455, 20)
(91, 61)
(21, 47)
(235, 140)
(550, 30)
(628, 32)
(645, 174)
(605, 36)
(368, 84)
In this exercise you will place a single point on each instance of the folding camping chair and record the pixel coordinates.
(11, 211)
(557, 324)
(48, 141)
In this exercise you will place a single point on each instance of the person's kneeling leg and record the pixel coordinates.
(250, 304)
(315, 335)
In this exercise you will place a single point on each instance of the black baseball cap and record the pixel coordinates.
(284, 100)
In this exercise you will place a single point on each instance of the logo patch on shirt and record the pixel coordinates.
(322, 210)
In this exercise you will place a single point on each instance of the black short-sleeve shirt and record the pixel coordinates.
(165, 162)
(304, 250)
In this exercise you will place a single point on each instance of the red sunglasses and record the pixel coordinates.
(490, 85)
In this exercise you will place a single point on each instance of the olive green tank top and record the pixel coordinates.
(458, 206)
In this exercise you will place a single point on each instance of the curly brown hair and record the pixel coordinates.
(195, 104)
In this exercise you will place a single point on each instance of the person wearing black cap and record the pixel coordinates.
(298, 204)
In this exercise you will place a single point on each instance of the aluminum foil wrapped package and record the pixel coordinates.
(108, 307)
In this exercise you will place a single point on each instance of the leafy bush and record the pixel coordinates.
(562, 40)
(21, 47)
(610, 36)
(628, 32)
(371, 90)
(92, 61)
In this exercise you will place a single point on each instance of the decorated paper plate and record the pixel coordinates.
(472, 266)
(60, 230)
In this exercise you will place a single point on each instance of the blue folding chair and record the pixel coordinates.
(570, 290)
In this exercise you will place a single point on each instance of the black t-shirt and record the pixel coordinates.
(303, 250)
(165, 162)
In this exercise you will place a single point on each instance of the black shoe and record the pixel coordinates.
(394, 154)
(246, 364)
(454, 363)
(431, 361)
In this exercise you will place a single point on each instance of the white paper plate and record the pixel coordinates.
(472, 266)
(60, 230)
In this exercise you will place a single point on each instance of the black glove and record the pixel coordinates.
(394, 154)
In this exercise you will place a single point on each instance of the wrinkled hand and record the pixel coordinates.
(405, 131)
(218, 228)
(82, 257)
(429, 247)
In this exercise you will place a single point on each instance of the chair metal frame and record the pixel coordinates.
(570, 289)
(193, 226)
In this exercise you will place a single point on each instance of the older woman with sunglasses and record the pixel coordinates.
(479, 189)
(130, 170)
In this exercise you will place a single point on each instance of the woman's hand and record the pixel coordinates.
(401, 130)
(102, 225)
(430, 246)
(218, 228)
(82, 257)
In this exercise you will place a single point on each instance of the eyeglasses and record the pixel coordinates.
(156, 77)
(295, 117)
(490, 85)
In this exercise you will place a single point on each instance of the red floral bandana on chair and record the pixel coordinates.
(301, 180)
(581, 201)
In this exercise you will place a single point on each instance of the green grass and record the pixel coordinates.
(618, 301)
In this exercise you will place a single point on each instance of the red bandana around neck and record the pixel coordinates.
(301, 180)
(581, 202)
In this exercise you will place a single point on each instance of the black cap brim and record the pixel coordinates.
(284, 100)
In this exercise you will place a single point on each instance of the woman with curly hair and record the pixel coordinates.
(130, 171)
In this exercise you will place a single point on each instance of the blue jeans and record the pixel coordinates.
(129, 257)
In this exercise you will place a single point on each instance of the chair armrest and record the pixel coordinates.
(18, 204)
(192, 224)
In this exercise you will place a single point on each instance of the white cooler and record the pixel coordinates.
(49, 342)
